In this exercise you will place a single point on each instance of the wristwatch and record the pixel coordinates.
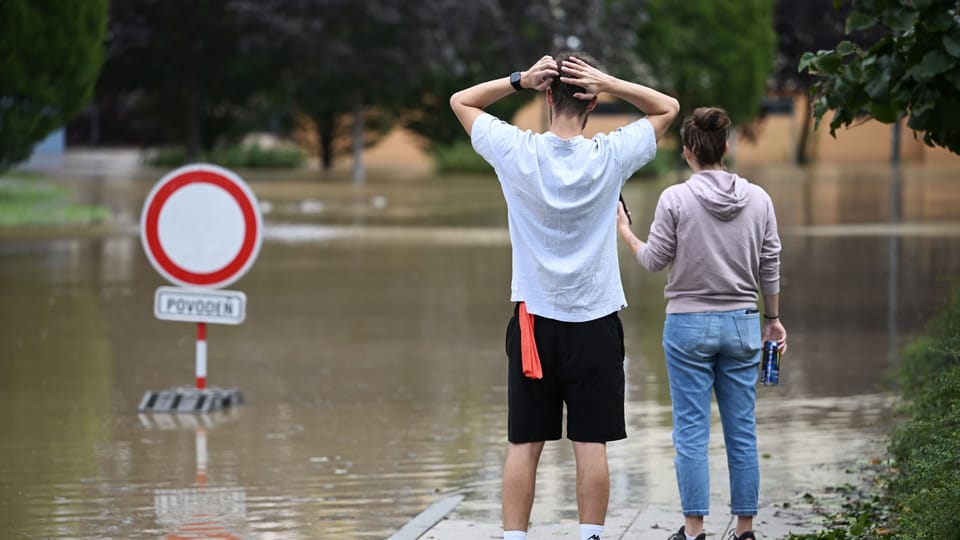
(515, 81)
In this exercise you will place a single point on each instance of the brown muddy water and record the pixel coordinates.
(372, 359)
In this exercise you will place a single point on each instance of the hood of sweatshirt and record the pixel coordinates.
(721, 193)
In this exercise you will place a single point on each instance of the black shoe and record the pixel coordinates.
(682, 535)
(747, 535)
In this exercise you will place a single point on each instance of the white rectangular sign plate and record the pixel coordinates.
(200, 305)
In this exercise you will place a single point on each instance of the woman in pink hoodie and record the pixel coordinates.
(717, 234)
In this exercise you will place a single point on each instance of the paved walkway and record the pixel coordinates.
(652, 522)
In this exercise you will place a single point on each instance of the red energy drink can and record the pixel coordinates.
(770, 364)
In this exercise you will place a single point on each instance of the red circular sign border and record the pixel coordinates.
(171, 184)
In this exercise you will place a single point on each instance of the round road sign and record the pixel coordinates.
(201, 226)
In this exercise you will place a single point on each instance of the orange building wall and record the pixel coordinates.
(776, 138)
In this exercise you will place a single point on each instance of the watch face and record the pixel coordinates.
(515, 81)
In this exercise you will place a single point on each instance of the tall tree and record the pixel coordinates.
(912, 67)
(50, 55)
(709, 53)
(473, 41)
(801, 26)
(183, 62)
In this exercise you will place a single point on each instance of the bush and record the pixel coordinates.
(926, 448)
(238, 156)
(459, 157)
(665, 162)
(921, 491)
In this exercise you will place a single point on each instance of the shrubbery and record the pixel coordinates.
(238, 156)
(919, 493)
(925, 485)
(459, 157)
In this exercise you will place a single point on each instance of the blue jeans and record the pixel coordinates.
(714, 352)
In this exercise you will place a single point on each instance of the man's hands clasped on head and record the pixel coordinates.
(540, 75)
(579, 73)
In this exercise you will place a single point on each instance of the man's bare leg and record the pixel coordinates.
(593, 481)
(519, 483)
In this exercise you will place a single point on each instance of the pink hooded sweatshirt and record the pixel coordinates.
(718, 234)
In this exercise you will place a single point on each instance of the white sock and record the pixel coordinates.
(689, 537)
(590, 532)
(514, 535)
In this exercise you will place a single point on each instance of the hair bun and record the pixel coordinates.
(711, 119)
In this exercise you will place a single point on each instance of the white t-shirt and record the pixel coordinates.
(561, 199)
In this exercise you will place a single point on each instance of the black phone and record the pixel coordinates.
(626, 210)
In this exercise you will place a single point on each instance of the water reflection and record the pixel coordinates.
(372, 365)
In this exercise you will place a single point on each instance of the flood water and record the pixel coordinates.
(372, 359)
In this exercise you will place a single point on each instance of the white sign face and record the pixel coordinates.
(201, 227)
(200, 305)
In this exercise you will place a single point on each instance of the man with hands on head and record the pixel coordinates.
(565, 341)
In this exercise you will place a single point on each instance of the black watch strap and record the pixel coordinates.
(515, 81)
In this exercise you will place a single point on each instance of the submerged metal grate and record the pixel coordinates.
(189, 400)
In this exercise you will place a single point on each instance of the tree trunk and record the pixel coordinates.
(325, 129)
(801, 152)
(359, 173)
(194, 147)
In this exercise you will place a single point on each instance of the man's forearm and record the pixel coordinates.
(482, 95)
(468, 104)
(660, 108)
(648, 100)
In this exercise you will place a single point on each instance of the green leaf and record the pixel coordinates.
(951, 42)
(860, 21)
(938, 24)
(828, 63)
(845, 48)
(805, 61)
(901, 20)
(954, 78)
(933, 64)
(878, 87)
(885, 112)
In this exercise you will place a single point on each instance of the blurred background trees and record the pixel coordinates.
(705, 52)
(50, 56)
(205, 73)
(802, 26)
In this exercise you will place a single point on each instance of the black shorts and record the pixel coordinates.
(582, 367)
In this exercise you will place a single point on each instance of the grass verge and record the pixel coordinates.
(28, 199)
(917, 494)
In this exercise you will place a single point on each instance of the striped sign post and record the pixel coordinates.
(201, 229)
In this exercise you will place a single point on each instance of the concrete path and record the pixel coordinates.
(652, 522)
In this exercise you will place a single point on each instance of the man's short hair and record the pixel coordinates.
(563, 101)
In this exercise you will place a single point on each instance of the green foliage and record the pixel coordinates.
(920, 493)
(50, 56)
(666, 161)
(709, 53)
(914, 68)
(27, 200)
(185, 65)
(927, 446)
(862, 516)
(470, 42)
(237, 156)
(458, 157)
